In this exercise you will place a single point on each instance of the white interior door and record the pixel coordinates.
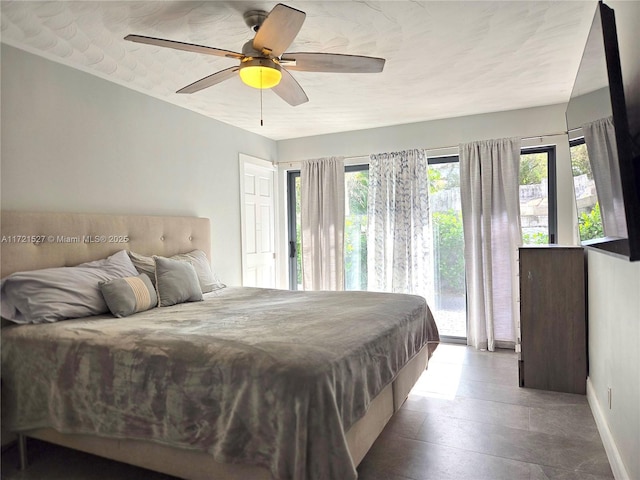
(258, 222)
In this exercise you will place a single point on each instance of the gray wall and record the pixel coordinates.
(614, 357)
(74, 142)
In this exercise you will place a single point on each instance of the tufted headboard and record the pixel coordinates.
(34, 240)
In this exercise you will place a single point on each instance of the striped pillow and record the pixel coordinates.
(129, 295)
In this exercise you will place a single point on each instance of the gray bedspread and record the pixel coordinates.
(266, 377)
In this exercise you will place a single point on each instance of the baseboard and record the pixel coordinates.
(615, 460)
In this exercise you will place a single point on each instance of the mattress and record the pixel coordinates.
(271, 378)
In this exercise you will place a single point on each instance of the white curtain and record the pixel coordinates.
(600, 137)
(399, 244)
(322, 219)
(489, 183)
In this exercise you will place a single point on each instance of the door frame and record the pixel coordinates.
(244, 159)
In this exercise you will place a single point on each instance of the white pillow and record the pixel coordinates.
(53, 294)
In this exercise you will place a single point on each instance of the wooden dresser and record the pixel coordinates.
(553, 327)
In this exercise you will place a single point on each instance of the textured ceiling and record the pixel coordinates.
(444, 59)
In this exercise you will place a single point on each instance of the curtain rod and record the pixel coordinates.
(565, 132)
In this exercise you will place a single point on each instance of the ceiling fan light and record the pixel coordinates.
(260, 73)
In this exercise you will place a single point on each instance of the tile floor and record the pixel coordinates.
(466, 419)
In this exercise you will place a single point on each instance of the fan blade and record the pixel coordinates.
(332, 62)
(210, 81)
(188, 47)
(290, 90)
(278, 30)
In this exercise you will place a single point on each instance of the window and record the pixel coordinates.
(538, 195)
(589, 220)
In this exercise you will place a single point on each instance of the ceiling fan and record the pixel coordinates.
(264, 62)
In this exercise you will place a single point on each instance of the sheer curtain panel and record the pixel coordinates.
(600, 137)
(399, 257)
(489, 182)
(322, 219)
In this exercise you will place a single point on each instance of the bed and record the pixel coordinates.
(247, 383)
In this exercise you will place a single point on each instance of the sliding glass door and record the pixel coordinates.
(355, 232)
(537, 205)
(449, 306)
(356, 181)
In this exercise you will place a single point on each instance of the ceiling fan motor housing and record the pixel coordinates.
(249, 51)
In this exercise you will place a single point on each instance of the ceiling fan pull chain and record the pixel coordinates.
(261, 89)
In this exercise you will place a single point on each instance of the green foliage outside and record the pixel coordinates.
(355, 232)
(444, 176)
(449, 246)
(357, 186)
(448, 237)
(533, 168)
(537, 238)
(355, 252)
(435, 180)
(580, 161)
(590, 224)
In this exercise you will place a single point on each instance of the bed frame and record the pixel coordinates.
(34, 240)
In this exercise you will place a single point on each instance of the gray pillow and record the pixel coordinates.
(129, 295)
(54, 294)
(176, 282)
(206, 277)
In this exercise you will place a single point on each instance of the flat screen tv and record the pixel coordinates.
(597, 110)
